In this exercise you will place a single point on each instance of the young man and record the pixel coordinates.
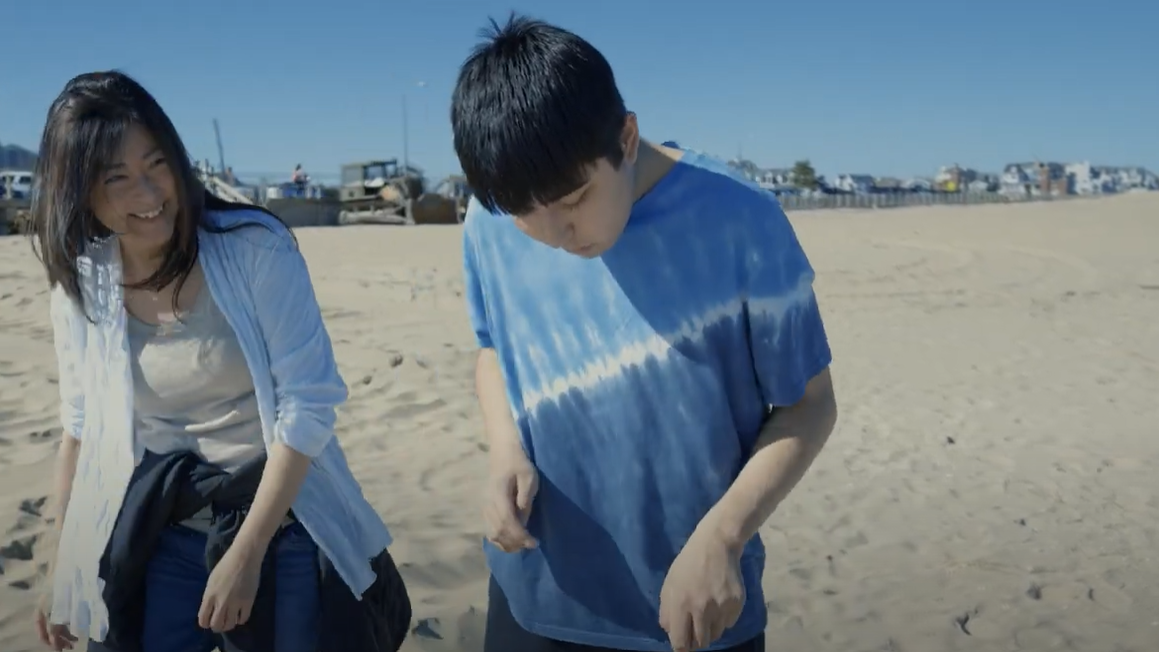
(641, 313)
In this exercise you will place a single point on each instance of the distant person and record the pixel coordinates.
(230, 177)
(299, 176)
(299, 179)
(199, 480)
(641, 312)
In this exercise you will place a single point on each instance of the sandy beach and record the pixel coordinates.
(991, 485)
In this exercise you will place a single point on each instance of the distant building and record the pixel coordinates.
(778, 180)
(1017, 180)
(919, 184)
(954, 178)
(888, 184)
(1086, 179)
(858, 184)
(750, 170)
(1055, 179)
(1126, 179)
(1036, 179)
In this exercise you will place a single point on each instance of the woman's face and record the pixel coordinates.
(135, 197)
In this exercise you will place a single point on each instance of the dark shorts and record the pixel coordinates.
(505, 635)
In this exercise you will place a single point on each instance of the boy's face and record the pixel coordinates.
(588, 221)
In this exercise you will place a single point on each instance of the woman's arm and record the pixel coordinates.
(307, 385)
(282, 478)
(63, 474)
(68, 335)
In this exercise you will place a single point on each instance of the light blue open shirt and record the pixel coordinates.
(259, 279)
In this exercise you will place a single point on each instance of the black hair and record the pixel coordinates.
(82, 135)
(534, 107)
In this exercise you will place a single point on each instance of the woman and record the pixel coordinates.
(198, 393)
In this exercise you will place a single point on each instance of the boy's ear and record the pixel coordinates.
(630, 138)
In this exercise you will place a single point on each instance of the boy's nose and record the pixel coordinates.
(559, 231)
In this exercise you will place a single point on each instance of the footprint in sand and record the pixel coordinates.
(19, 549)
(428, 628)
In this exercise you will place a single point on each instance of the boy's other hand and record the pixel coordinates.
(511, 490)
(703, 594)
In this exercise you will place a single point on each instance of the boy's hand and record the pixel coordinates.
(703, 594)
(511, 490)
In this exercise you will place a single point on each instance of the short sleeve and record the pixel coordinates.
(786, 332)
(473, 288)
(69, 333)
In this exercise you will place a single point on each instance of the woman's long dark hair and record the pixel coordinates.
(81, 137)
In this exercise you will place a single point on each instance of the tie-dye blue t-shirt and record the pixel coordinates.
(640, 380)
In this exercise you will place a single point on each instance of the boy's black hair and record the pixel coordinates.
(534, 107)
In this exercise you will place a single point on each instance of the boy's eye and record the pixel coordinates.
(575, 203)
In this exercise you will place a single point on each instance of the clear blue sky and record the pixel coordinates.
(887, 87)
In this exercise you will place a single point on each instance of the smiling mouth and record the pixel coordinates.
(153, 214)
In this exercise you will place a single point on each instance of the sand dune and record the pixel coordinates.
(991, 484)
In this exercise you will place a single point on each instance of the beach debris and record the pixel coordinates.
(428, 628)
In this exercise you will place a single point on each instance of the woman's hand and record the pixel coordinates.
(56, 637)
(233, 584)
(230, 592)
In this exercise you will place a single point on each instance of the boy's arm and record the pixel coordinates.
(789, 442)
(513, 482)
(791, 357)
(498, 423)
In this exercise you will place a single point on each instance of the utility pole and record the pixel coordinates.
(406, 127)
(220, 150)
(405, 137)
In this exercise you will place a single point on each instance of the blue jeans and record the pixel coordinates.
(176, 581)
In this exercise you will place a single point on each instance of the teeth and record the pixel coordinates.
(151, 214)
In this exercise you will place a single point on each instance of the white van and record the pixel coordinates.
(16, 183)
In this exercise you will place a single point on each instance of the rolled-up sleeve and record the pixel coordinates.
(307, 385)
(69, 335)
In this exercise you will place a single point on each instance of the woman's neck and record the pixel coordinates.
(139, 264)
